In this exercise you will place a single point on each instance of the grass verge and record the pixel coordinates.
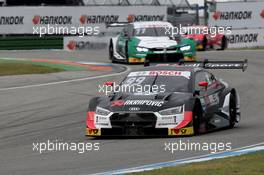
(13, 68)
(249, 164)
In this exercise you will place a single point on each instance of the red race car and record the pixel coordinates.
(206, 38)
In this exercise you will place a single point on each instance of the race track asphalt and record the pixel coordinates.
(57, 112)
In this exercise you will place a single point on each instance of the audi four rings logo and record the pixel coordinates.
(134, 109)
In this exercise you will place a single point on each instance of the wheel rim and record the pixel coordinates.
(232, 112)
(111, 52)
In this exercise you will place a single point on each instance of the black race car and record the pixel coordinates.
(181, 99)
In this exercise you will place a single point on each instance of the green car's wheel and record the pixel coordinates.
(111, 52)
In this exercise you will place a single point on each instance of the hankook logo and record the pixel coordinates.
(232, 15)
(135, 18)
(65, 20)
(262, 14)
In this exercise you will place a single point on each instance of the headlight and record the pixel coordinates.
(141, 49)
(102, 111)
(185, 48)
(172, 111)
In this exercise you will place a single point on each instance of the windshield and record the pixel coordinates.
(157, 81)
(154, 31)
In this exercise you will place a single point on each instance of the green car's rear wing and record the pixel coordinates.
(206, 64)
(117, 24)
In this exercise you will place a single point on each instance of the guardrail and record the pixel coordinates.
(30, 42)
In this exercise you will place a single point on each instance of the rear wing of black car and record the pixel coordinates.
(217, 64)
(206, 64)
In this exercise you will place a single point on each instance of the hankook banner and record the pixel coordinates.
(22, 20)
(238, 15)
(246, 38)
(85, 43)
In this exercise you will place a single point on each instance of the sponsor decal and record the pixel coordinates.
(222, 65)
(185, 74)
(232, 15)
(71, 45)
(216, 15)
(136, 18)
(99, 118)
(130, 18)
(65, 20)
(117, 103)
(93, 132)
(11, 20)
(165, 124)
(262, 14)
(81, 45)
(98, 19)
(243, 38)
(168, 118)
(212, 99)
(182, 131)
(215, 65)
(144, 102)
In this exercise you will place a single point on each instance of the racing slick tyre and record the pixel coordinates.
(111, 52)
(197, 118)
(223, 43)
(204, 43)
(232, 111)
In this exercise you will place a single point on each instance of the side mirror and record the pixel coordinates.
(203, 84)
(177, 38)
(125, 34)
(109, 83)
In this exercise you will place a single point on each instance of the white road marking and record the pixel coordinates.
(206, 157)
(66, 81)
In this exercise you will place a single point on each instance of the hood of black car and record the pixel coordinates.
(123, 102)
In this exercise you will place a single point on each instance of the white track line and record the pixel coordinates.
(66, 81)
(236, 151)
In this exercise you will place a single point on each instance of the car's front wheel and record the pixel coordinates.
(232, 111)
(111, 52)
(197, 119)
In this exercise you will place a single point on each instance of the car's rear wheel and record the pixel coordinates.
(204, 44)
(223, 43)
(197, 118)
(232, 111)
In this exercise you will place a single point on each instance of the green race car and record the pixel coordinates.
(140, 40)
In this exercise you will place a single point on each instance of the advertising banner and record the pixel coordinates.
(246, 38)
(85, 43)
(29, 20)
(238, 15)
